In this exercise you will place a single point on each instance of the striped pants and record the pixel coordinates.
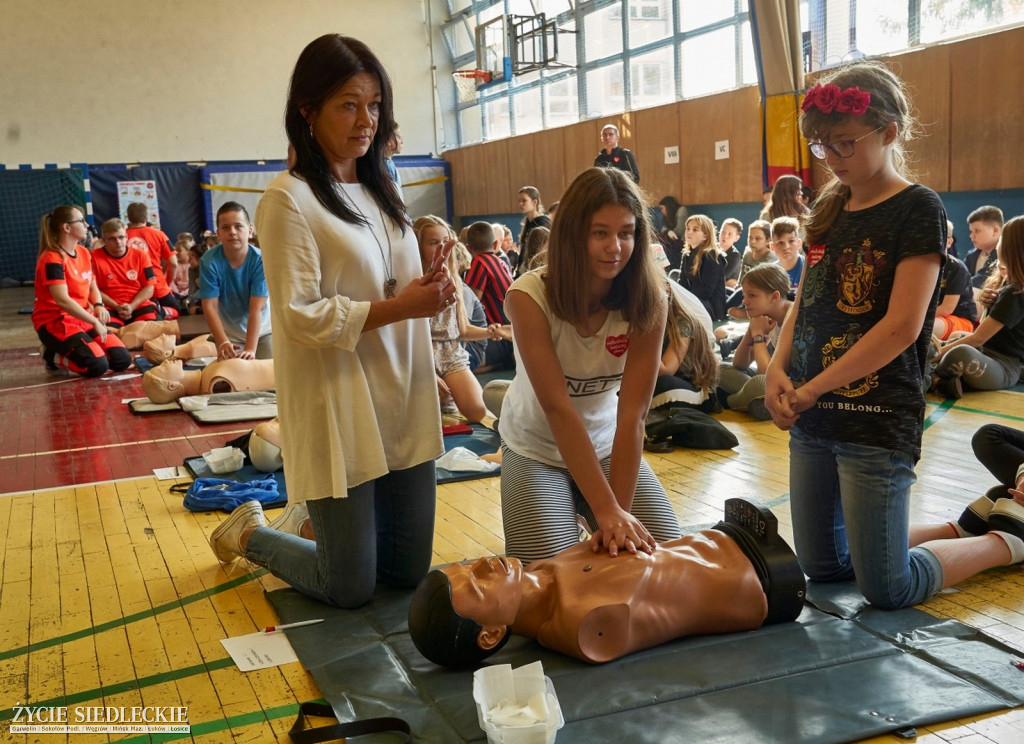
(540, 503)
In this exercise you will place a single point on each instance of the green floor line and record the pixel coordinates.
(993, 414)
(940, 410)
(132, 684)
(176, 604)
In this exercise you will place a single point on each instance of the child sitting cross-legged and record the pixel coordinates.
(765, 295)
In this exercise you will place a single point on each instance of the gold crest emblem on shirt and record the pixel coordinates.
(858, 270)
(835, 348)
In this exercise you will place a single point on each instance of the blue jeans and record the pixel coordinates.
(851, 506)
(383, 531)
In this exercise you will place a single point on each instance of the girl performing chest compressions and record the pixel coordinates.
(588, 331)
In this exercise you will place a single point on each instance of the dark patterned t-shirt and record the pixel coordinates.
(1008, 309)
(846, 292)
(956, 279)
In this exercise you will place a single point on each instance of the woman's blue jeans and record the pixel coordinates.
(383, 531)
(850, 505)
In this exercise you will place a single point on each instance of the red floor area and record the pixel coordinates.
(64, 431)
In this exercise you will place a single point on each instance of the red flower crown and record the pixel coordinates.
(830, 98)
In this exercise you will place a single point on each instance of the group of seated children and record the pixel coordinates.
(714, 270)
(88, 302)
(979, 327)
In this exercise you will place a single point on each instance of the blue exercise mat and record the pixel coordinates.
(842, 672)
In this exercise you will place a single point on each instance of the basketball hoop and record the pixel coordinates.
(467, 82)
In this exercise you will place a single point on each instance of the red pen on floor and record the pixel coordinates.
(287, 626)
(1019, 663)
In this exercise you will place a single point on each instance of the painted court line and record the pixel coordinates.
(940, 410)
(132, 684)
(93, 447)
(152, 612)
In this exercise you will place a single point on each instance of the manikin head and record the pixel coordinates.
(159, 349)
(265, 446)
(460, 614)
(165, 383)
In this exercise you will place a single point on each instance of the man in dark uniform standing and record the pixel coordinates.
(613, 156)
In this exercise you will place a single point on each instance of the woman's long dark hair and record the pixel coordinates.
(325, 65)
(671, 205)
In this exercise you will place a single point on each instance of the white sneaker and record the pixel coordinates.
(291, 519)
(225, 539)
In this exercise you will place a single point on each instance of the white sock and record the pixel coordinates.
(960, 531)
(1014, 543)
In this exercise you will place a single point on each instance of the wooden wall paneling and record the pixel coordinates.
(582, 142)
(658, 128)
(986, 126)
(702, 122)
(745, 144)
(477, 170)
(521, 168)
(549, 164)
(927, 76)
(494, 178)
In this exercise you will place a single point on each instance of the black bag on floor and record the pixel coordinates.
(687, 427)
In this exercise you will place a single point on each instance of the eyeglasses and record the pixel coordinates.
(82, 220)
(841, 149)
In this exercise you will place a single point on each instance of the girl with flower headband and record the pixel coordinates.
(846, 376)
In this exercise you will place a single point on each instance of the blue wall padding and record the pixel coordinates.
(177, 187)
(25, 196)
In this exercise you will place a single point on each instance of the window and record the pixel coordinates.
(835, 33)
(649, 21)
(605, 91)
(602, 33)
(562, 101)
(652, 79)
(708, 64)
(613, 55)
(529, 114)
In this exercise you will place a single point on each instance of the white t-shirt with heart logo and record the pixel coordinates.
(593, 372)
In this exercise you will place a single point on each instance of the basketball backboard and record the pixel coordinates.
(492, 49)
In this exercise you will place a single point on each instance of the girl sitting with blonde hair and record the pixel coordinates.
(457, 387)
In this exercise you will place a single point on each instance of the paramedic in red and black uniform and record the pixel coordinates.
(124, 278)
(68, 314)
(158, 246)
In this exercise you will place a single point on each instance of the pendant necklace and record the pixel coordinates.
(390, 283)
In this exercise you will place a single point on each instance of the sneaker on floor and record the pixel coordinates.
(1007, 515)
(974, 519)
(225, 539)
(950, 387)
(759, 410)
(291, 519)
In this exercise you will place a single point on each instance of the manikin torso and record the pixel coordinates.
(598, 608)
(169, 381)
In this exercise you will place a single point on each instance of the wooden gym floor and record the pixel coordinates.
(110, 595)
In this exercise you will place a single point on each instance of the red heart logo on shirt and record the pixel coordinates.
(617, 345)
(815, 253)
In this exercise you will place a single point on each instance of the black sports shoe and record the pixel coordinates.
(949, 387)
